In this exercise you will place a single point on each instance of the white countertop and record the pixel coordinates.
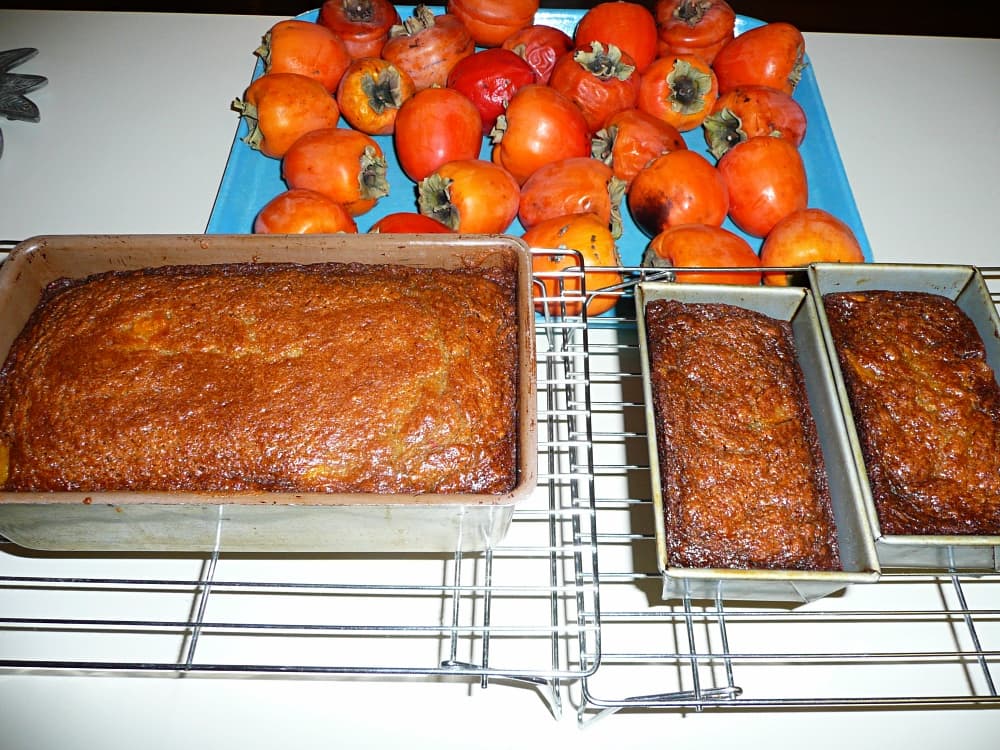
(134, 136)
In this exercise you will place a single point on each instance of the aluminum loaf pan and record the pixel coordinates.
(858, 560)
(266, 522)
(967, 287)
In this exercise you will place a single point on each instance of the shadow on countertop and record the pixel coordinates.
(853, 16)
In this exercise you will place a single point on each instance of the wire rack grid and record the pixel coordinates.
(514, 612)
(572, 596)
(910, 640)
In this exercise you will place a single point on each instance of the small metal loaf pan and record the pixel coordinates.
(267, 522)
(967, 287)
(858, 560)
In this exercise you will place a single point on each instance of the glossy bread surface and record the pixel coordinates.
(266, 377)
(926, 406)
(743, 477)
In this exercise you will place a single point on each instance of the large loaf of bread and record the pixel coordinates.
(926, 406)
(742, 473)
(266, 377)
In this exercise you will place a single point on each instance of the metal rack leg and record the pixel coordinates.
(977, 645)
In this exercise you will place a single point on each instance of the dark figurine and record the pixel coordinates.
(14, 105)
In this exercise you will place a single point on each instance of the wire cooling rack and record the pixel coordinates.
(571, 597)
(515, 612)
(911, 640)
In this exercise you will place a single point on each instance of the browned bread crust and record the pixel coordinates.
(743, 477)
(266, 377)
(926, 406)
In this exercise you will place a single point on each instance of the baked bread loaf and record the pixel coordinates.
(742, 474)
(926, 407)
(266, 377)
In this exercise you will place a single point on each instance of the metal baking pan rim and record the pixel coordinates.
(967, 275)
(33, 262)
(936, 540)
(776, 574)
(869, 572)
(255, 498)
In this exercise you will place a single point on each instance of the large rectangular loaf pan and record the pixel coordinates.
(966, 286)
(858, 560)
(270, 522)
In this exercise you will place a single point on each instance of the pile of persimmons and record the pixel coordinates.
(580, 128)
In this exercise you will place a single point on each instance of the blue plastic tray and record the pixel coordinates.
(250, 179)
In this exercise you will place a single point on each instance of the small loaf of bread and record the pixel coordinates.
(743, 478)
(266, 377)
(926, 407)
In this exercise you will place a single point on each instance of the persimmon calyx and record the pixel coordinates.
(604, 63)
(434, 200)
(359, 11)
(616, 194)
(422, 18)
(384, 90)
(248, 111)
(688, 88)
(264, 50)
(798, 68)
(499, 129)
(602, 145)
(372, 175)
(692, 11)
(723, 130)
(652, 259)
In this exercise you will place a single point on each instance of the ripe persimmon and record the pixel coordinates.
(748, 111)
(704, 246)
(302, 211)
(769, 55)
(594, 246)
(473, 196)
(601, 81)
(630, 26)
(345, 165)
(700, 27)
(578, 185)
(408, 222)
(766, 178)
(810, 235)
(540, 46)
(679, 89)
(540, 126)
(428, 46)
(679, 187)
(490, 22)
(362, 24)
(296, 46)
(280, 107)
(633, 138)
(370, 94)
(433, 127)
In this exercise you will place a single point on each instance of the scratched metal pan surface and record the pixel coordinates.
(265, 522)
(966, 286)
(858, 560)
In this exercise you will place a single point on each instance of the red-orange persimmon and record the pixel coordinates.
(362, 24)
(694, 27)
(704, 246)
(766, 180)
(435, 126)
(540, 126)
(490, 22)
(680, 187)
(301, 211)
(631, 27)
